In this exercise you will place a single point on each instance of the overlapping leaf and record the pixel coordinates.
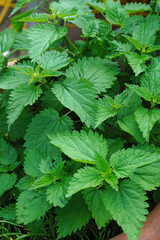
(75, 209)
(49, 122)
(127, 206)
(41, 36)
(19, 98)
(79, 96)
(100, 72)
(81, 146)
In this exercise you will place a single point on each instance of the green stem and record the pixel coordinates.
(70, 42)
(61, 48)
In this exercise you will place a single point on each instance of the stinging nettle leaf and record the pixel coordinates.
(7, 38)
(31, 206)
(135, 7)
(148, 176)
(8, 212)
(19, 98)
(86, 177)
(150, 79)
(8, 154)
(100, 72)
(75, 209)
(146, 120)
(81, 146)
(124, 162)
(42, 182)
(7, 181)
(115, 12)
(94, 200)
(12, 79)
(79, 96)
(49, 122)
(106, 171)
(41, 36)
(137, 62)
(32, 162)
(141, 91)
(127, 206)
(55, 194)
(104, 111)
(53, 60)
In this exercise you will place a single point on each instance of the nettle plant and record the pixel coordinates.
(79, 121)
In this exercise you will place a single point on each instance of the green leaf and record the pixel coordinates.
(81, 146)
(7, 181)
(147, 176)
(3, 123)
(25, 182)
(75, 209)
(137, 62)
(21, 41)
(49, 122)
(130, 103)
(100, 72)
(84, 178)
(145, 32)
(135, 42)
(141, 91)
(115, 13)
(56, 194)
(129, 125)
(146, 120)
(126, 119)
(2, 58)
(41, 36)
(96, 28)
(19, 98)
(99, 6)
(53, 60)
(69, 8)
(35, 17)
(106, 171)
(46, 166)
(31, 206)
(32, 161)
(19, 5)
(18, 128)
(12, 79)
(49, 100)
(8, 154)
(8, 212)
(102, 165)
(42, 182)
(135, 7)
(104, 111)
(79, 96)
(24, 67)
(150, 79)
(125, 162)
(94, 200)
(114, 145)
(7, 38)
(127, 206)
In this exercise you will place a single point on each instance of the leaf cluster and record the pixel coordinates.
(80, 121)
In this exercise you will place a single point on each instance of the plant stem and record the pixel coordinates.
(70, 42)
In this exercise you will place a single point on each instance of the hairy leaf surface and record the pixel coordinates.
(65, 216)
(81, 146)
(127, 206)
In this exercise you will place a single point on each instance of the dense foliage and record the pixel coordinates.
(80, 121)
